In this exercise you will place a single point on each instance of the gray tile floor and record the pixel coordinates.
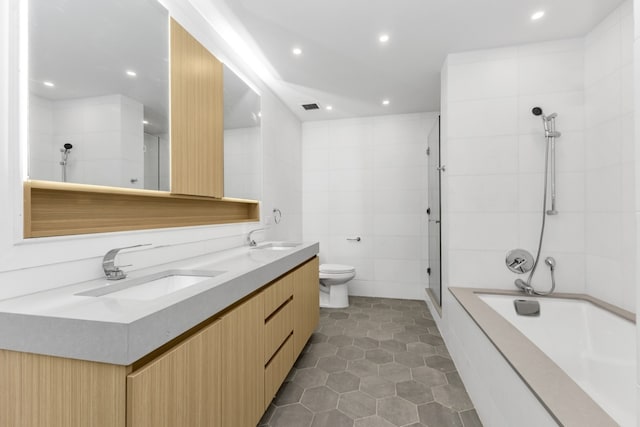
(378, 363)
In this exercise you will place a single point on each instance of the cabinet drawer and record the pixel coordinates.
(276, 294)
(277, 329)
(277, 369)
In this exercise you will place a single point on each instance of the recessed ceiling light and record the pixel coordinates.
(145, 122)
(131, 73)
(329, 107)
(48, 84)
(539, 14)
(385, 102)
(297, 51)
(383, 38)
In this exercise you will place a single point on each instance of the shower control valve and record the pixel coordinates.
(519, 261)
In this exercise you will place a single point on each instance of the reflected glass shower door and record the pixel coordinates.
(434, 167)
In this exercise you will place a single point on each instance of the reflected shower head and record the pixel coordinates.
(67, 146)
(537, 111)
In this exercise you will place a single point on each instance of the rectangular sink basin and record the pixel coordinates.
(278, 246)
(153, 286)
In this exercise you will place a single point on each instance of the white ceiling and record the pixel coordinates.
(345, 66)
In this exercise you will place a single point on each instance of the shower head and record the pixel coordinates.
(537, 111)
(67, 146)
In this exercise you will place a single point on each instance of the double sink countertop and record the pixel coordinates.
(119, 328)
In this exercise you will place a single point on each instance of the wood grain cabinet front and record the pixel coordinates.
(180, 388)
(197, 128)
(224, 372)
(242, 350)
(306, 302)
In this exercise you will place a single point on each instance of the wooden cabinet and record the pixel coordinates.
(38, 390)
(306, 301)
(223, 373)
(180, 388)
(197, 127)
(242, 364)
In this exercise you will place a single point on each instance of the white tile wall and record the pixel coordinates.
(610, 165)
(495, 152)
(106, 133)
(368, 177)
(243, 163)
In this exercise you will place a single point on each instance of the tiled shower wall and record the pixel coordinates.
(367, 178)
(107, 137)
(609, 160)
(494, 153)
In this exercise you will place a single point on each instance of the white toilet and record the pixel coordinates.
(333, 285)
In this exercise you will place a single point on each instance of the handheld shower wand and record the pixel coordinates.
(65, 156)
(549, 123)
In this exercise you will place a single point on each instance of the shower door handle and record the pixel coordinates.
(442, 168)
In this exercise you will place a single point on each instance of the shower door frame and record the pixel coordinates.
(434, 226)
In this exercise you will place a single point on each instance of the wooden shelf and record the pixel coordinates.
(60, 209)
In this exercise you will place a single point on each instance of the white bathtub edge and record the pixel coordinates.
(557, 395)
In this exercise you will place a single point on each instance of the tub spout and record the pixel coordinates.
(524, 287)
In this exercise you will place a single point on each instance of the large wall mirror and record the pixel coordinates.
(99, 92)
(242, 139)
(99, 99)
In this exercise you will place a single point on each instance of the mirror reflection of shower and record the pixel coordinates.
(64, 154)
(550, 133)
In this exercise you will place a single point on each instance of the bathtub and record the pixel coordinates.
(578, 358)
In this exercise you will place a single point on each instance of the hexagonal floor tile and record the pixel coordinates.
(421, 348)
(310, 377)
(374, 421)
(414, 392)
(394, 346)
(379, 356)
(340, 340)
(306, 360)
(362, 367)
(377, 387)
(357, 404)
(294, 415)
(435, 414)
(350, 352)
(323, 349)
(333, 418)
(330, 330)
(339, 315)
(343, 382)
(319, 399)
(406, 337)
(431, 339)
(378, 334)
(440, 363)
(332, 364)
(411, 360)
(453, 396)
(428, 376)
(289, 393)
(397, 411)
(366, 343)
(395, 372)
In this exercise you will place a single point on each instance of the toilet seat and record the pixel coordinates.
(336, 269)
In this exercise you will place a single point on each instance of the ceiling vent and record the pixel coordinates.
(313, 106)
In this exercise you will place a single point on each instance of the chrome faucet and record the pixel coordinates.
(252, 242)
(111, 270)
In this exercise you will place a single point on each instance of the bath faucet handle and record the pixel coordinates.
(111, 270)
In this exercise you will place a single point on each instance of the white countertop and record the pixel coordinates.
(114, 330)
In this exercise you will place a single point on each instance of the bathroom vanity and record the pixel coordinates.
(212, 354)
